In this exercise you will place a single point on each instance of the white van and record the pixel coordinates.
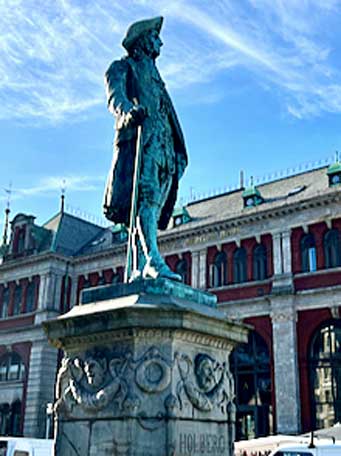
(319, 449)
(21, 446)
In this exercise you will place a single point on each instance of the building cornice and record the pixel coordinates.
(221, 229)
(33, 260)
(247, 218)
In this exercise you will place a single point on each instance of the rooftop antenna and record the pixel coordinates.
(251, 181)
(241, 178)
(8, 191)
(62, 196)
(337, 156)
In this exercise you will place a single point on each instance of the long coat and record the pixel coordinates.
(125, 88)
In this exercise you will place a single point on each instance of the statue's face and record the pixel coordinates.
(94, 372)
(153, 44)
(206, 375)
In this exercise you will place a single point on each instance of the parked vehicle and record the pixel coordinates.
(317, 449)
(21, 446)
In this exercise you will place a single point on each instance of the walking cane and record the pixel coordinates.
(133, 207)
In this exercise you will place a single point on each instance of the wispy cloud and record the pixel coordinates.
(283, 42)
(53, 53)
(50, 185)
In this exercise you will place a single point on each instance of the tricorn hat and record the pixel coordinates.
(138, 28)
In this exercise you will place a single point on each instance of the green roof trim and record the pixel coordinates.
(251, 191)
(334, 168)
(182, 212)
(118, 228)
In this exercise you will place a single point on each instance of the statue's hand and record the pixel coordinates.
(138, 114)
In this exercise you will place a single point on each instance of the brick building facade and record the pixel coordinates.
(271, 254)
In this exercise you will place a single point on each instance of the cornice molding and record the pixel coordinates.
(221, 229)
(246, 219)
(192, 337)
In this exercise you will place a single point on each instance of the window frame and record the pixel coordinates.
(322, 365)
(308, 259)
(218, 272)
(239, 265)
(260, 262)
(331, 247)
(6, 363)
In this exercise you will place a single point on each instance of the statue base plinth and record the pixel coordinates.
(145, 372)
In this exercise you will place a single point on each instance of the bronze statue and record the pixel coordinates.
(149, 150)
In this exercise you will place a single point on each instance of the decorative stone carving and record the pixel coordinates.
(88, 384)
(206, 382)
(283, 316)
(100, 380)
(153, 372)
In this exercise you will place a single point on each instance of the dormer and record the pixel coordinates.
(180, 216)
(252, 196)
(21, 234)
(334, 174)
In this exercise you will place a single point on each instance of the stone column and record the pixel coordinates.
(40, 387)
(46, 291)
(282, 263)
(74, 291)
(49, 296)
(202, 269)
(285, 365)
(199, 269)
(286, 249)
(195, 269)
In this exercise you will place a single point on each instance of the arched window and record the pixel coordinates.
(219, 270)
(331, 243)
(5, 302)
(250, 366)
(325, 375)
(17, 300)
(182, 269)
(260, 264)
(308, 253)
(11, 368)
(239, 265)
(30, 297)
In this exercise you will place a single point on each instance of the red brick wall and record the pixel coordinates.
(318, 280)
(244, 291)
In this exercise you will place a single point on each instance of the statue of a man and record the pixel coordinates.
(137, 97)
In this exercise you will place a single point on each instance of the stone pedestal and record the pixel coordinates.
(145, 372)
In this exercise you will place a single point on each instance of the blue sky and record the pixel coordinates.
(256, 84)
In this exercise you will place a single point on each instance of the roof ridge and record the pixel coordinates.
(259, 185)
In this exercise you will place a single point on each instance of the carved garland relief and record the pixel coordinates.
(100, 380)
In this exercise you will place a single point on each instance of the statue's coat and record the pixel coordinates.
(125, 88)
